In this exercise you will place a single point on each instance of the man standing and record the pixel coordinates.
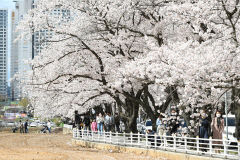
(49, 126)
(107, 122)
(77, 120)
(100, 121)
(26, 126)
(86, 122)
(112, 123)
(117, 122)
(21, 126)
(159, 125)
(173, 122)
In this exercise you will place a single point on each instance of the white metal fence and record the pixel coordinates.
(199, 146)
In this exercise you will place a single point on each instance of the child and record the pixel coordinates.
(94, 126)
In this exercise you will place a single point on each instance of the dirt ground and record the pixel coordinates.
(36, 146)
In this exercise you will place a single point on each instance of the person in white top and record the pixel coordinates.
(49, 126)
(100, 120)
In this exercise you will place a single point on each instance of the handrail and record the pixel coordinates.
(220, 148)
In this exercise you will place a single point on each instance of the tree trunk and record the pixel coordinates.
(130, 115)
(132, 123)
(237, 122)
(236, 108)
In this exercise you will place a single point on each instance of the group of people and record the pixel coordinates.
(23, 127)
(206, 129)
(213, 129)
(170, 126)
(99, 123)
(167, 127)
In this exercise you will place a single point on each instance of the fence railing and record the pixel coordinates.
(199, 146)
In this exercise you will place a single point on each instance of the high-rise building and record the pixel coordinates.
(3, 51)
(25, 48)
(21, 50)
(42, 38)
(25, 44)
(14, 57)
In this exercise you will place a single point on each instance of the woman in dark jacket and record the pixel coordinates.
(204, 129)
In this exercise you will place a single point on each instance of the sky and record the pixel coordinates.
(8, 4)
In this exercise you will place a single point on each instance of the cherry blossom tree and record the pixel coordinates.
(82, 59)
(200, 59)
(147, 54)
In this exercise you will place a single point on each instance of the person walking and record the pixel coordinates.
(86, 121)
(112, 123)
(21, 126)
(100, 121)
(217, 126)
(117, 122)
(159, 125)
(107, 122)
(26, 126)
(204, 129)
(49, 126)
(173, 123)
(77, 120)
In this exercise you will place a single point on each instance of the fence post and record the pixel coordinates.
(155, 140)
(117, 137)
(131, 138)
(82, 133)
(138, 138)
(92, 134)
(238, 148)
(76, 133)
(124, 138)
(110, 136)
(165, 141)
(225, 147)
(210, 146)
(98, 136)
(104, 136)
(87, 134)
(73, 134)
(146, 140)
(174, 142)
(185, 144)
(197, 144)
